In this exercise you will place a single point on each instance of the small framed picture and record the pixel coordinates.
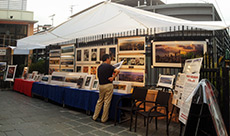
(89, 81)
(46, 79)
(122, 87)
(85, 69)
(78, 69)
(166, 81)
(95, 84)
(34, 73)
(25, 72)
(10, 73)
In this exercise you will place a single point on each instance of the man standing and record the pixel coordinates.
(106, 77)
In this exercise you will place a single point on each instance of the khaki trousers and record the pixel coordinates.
(105, 96)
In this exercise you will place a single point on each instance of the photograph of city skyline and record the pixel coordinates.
(178, 52)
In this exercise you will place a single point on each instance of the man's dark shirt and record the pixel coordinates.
(105, 71)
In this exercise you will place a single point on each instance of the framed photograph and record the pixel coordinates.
(94, 54)
(58, 78)
(54, 61)
(93, 70)
(25, 72)
(132, 61)
(67, 49)
(89, 81)
(79, 69)
(34, 73)
(78, 55)
(166, 81)
(55, 53)
(85, 69)
(95, 85)
(71, 81)
(137, 77)
(10, 72)
(131, 45)
(46, 79)
(85, 55)
(122, 87)
(102, 52)
(54, 69)
(67, 61)
(173, 53)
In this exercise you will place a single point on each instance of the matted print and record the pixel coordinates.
(112, 53)
(172, 54)
(89, 81)
(102, 52)
(79, 55)
(67, 70)
(131, 45)
(85, 69)
(67, 62)
(137, 61)
(78, 68)
(94, 54)
(25, 72)
(46, 79)
(55, 53)
(86, 55)
(10, 73)
(54, 61)
(95, 85)
(137, 77)
(34, 73)
(93, 70)
(52, 69)
(122, 87)
(67, 49)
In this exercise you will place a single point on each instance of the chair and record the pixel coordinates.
(137, 98)
(161, 101)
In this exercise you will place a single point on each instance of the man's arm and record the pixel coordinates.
(114, 76)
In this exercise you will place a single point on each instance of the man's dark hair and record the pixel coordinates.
(105, 57)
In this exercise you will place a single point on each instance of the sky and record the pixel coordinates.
(61, 9)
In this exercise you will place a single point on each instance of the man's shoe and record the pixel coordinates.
(97, 120)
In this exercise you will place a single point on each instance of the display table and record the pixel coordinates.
(23, 86)
(78, 98)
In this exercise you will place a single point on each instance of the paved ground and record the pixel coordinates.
(21, 115)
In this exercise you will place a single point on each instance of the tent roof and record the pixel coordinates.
(105, 18)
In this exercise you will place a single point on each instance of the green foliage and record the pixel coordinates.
(37, 66)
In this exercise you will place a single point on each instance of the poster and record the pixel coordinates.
(10, 73)
(190, 84)
(172, 54)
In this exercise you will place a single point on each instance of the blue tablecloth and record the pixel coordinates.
(78, 98)
(116, 96)
(55, 93)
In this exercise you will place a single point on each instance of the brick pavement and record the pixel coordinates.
(21, 115)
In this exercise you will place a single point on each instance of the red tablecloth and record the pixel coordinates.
(23, 86)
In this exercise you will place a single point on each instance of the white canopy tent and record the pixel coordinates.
(106, 18)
